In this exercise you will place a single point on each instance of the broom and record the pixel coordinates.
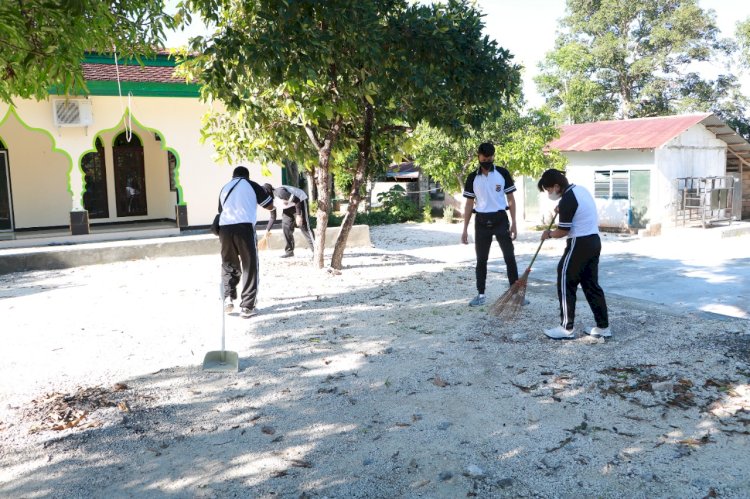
(511, 301)
(263, 243)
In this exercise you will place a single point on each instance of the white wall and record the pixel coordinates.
(581, 168)
(38, 176)
(695, 153)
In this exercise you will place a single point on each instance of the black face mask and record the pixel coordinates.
(485, 164)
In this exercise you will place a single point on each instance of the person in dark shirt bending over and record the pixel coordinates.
(292, 202)
(579, 222)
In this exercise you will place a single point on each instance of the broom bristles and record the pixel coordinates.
(510, 302)
(263, 243)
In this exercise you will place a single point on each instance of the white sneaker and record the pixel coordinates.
(600, 332)
(228, 304)
(560, 333)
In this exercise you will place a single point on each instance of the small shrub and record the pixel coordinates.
(448, 214)
(395, 203)
(427, 210)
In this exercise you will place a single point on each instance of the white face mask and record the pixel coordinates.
(554, 196)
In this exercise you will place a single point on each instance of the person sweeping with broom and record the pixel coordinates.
(579, 264)
(489, 194)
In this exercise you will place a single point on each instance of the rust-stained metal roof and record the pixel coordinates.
(645, 133)
(403, 170)
(641, 133)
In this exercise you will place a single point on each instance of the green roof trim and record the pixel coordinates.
(139, 89)
(158, 60)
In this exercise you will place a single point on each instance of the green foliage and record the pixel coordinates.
(626, 59)
(426, 209)
(448, 214)
(311, 81)
(395, 203)
(395, 208)
(743, 40)
(43, 42)
(567, 80)
(519, 139)
(292, 75)
(375, 217)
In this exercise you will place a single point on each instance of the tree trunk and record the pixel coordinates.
(354, 194)
(322, 181)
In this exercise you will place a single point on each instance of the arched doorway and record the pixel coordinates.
(95, 175)
(130, 178)
(6, 206)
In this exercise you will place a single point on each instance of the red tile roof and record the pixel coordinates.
(641, 133)
(134, 73)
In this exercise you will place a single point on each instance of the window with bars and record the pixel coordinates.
(612, 184)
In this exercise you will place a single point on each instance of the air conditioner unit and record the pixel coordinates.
(72, 112)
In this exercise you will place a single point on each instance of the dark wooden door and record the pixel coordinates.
(95, 199)
(6, 206)
(130, 181)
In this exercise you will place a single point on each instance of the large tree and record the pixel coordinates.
(628, 59)
(743, 39)
(42, 42)
(520, 141)
(311, 80)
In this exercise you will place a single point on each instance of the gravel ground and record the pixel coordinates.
(377, 381)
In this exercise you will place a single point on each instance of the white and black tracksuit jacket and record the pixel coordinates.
(580, 261)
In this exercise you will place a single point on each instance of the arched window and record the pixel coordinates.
(95, 176)
(171, 167)
(130, 177)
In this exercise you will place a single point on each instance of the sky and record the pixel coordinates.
(527, 28)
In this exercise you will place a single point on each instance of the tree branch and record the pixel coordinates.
(313, 138)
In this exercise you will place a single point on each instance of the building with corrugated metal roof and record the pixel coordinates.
(636, 169)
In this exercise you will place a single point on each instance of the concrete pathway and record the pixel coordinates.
(691, 269)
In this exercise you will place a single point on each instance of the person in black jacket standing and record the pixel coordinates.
(489, 194)
(238, 202)
(579, 264)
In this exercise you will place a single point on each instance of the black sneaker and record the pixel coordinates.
(287, 255)
(246, 313)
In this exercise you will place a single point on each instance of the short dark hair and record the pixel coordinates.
(268, 188)
(486, 149)
(552, 177)
(282, 193)
(241, 171)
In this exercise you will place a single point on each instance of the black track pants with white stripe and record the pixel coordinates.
(580, 265)
(239, 261)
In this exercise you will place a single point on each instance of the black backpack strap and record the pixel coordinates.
(228, 193)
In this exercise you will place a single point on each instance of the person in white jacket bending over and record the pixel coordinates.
(292, 202)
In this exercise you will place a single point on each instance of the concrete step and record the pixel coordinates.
(80, 254)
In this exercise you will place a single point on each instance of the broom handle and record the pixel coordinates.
(540, 244)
